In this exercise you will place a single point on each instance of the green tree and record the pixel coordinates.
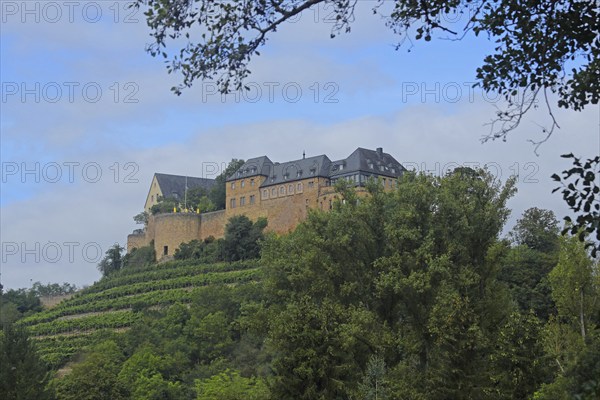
(143, 375)
(164, 205)
(414, 270)
(217, 194)
(571, 338)
(139, 257)
(23, 376)
(229, 385)
(207, 250)
(242, 237)
(112, 261)
(528, 262)
(585, 374)
(16, 303)
(53, 289)
(155, 387)
(95, 378)
(141, 218)
(519, 361)
(374, 385)
(537, 229)
(525, 271)
(211, 334)
(574, 283)
(581, 192)
(197, 198)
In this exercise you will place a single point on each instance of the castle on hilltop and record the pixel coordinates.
(281, 192)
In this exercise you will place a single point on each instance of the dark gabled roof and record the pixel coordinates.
(361, 160)
(258, 166)
(298, 169)
(369, 161)
(174, 185)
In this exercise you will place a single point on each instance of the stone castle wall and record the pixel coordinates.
(173, 229)
(169, 230)
(212, 224)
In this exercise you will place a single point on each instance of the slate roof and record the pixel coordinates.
(298, 169)
(368, 161)
(171, 185)
(258, 166)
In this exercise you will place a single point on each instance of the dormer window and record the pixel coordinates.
(393, 170)
(341, 167)
(299, 174)
(313, 171)
(371, 165)
(253, 170)
(285, 176)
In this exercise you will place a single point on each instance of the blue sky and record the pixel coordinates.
(356, 91)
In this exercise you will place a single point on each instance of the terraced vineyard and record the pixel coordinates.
(115, 303)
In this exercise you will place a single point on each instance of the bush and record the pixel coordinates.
(139, 257)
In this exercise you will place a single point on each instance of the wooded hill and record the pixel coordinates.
(404, 295)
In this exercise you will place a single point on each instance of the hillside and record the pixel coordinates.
(116, 302)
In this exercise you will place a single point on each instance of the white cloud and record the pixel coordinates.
(425, 137)
(166, 133)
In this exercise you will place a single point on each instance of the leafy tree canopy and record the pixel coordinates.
(139, 257)
(23, 376)
(541, 46)
(580, 186)
(410, 276)
(112, 261)
(537, 229)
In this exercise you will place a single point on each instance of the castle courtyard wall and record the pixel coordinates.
(137, 240)
(212, 224)
(173, 229)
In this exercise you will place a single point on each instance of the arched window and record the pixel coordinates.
(265, 194)
(273, 192)
(291, 189)
(281, 190)
(300, 187)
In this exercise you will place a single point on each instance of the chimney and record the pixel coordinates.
(380, 151)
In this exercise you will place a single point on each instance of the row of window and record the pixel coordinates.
(362, 179)
(274, 192)
(285, 191)
(246, 171)
(233, 202)
(243, 183)
(286, 175)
